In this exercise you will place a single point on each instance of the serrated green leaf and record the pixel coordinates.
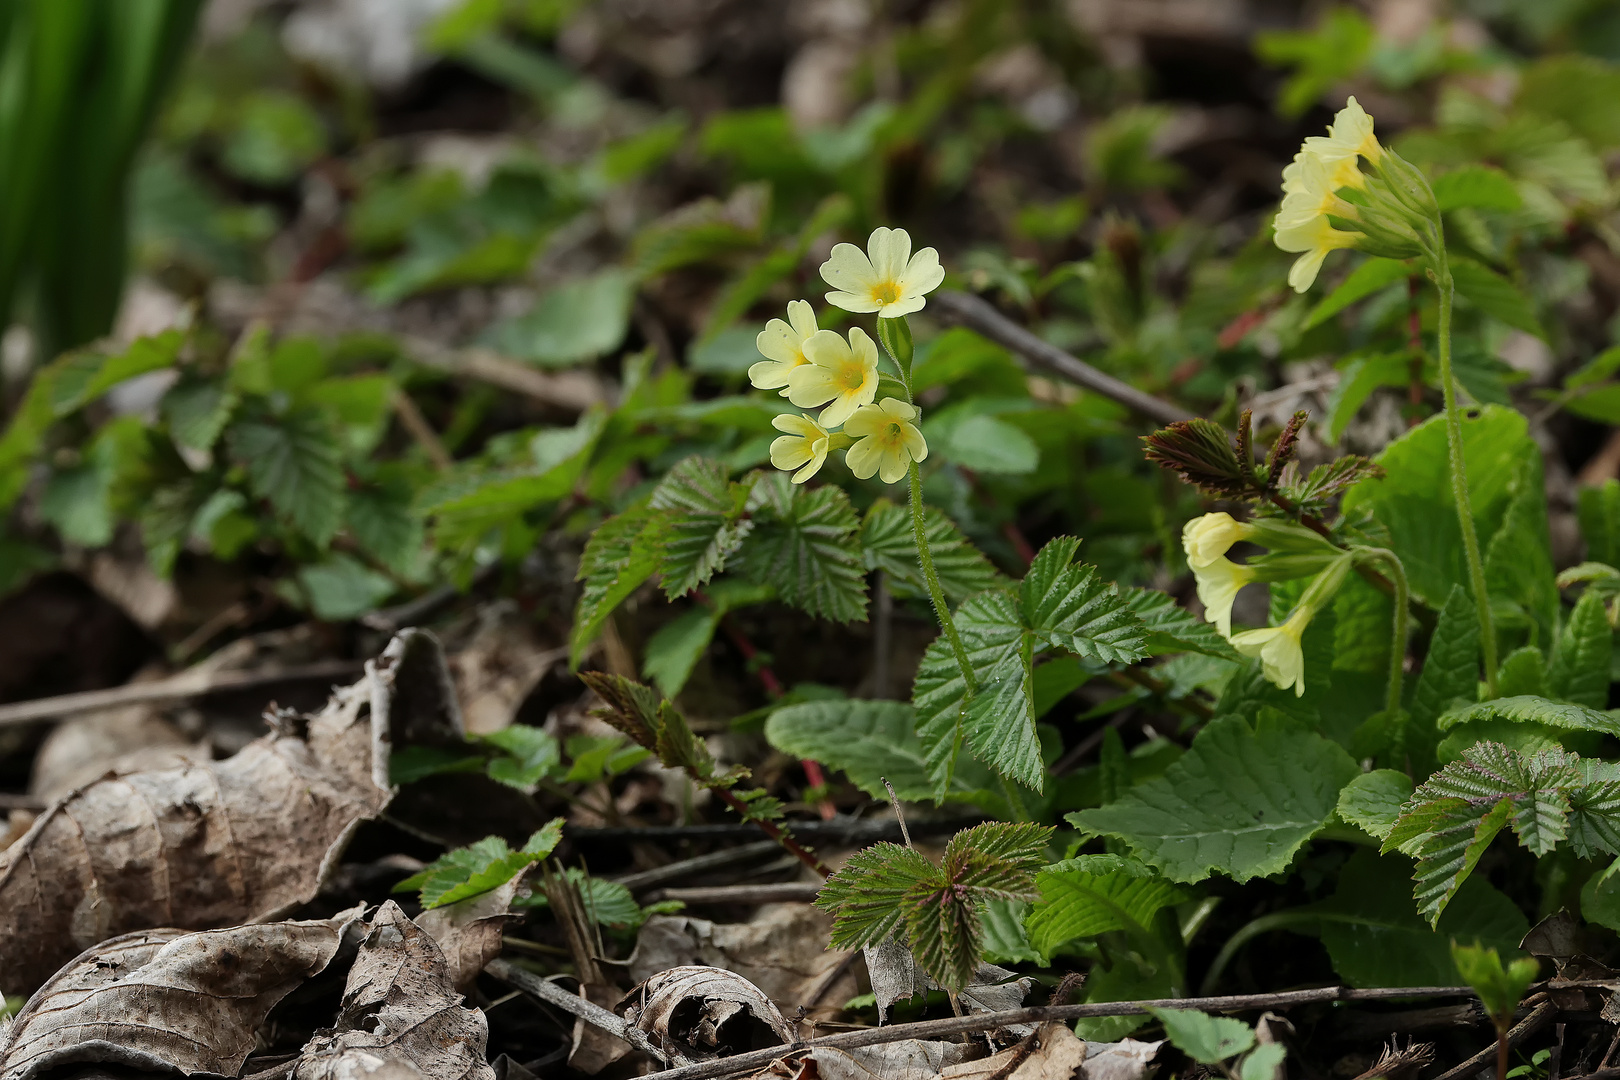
(1522, 673)
(804, 546)
(866, 896)
(381, 520)
(1581, 664)
(1205, 1038)
(1096, 894)
(1529, 709)
(1450, 671)
(481, 867)
(621, 554)
(293, 461)
(1453, 816)
(1518, 559)
(943, 930)
(888, 543)
(1005, 941)
(1373, 800)
(1375, 936)
(1171, 628)
(1598, 509)
(703, 512)
(197, 411)
(1371, 276)
(1241, 802)
(1070, 607)
(869, 741)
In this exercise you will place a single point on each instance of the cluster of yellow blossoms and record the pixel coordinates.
(1208, 538)
(815, 368)
(1330, 202)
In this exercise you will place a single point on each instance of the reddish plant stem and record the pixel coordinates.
(774, 831)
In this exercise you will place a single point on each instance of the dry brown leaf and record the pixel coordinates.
(1050, 1052)
(905, 1059)
(399, 1011)
(1127, 1059)
(895, 976)
(468, 932)
(782, 950)
(705, 1011)
(209, 845)
(167, 1000)
(498, 666)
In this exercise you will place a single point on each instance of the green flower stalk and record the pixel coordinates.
(1387, 209)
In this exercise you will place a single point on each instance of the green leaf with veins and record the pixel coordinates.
(621, 554)
(1204, 1038)
(704, 523)
(293, 461)
(528, 755)
(480, 868)
(1097, 894)
(1373, 800)
(888, 544)
(1240, 802)
(1581, 663)
(1171, 628)
(804, 545)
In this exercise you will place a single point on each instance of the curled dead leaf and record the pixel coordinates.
(206, 845)
(468, 931)
(400, 1012)
(706, 1012)
(165, 1000)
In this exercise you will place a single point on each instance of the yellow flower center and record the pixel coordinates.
(852, 376)
(885, 293)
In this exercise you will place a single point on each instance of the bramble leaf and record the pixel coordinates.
(888, 545)
(1373, 800)
(1531, 709)
(866, 896)
(1096, 894)
(293, 461)
(804, 546)
(704, 522)
(1201, 453)
(1205, 1038)
(1240, 802)
(1580, 666)
(1171, 628)
(621, 554)
(1070, 607)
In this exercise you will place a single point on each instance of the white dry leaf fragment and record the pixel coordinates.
(1128, 1059)
(781, 950)
(399, 1009)
(895, 976)
(705, 1012)
(905, 1059)
(167, 1000)
(468, 931)
(221, 843)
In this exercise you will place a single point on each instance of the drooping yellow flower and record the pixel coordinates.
(1219, 582)
(1315, 237)
(1281, 658)
(782, 344)
(886, 278)
(1208, 537)
(844, 373)
(804, 447)
(887, 441)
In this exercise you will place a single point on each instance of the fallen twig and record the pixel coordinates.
(774, 893)
(1539, 1017)
(186, 684)
(591, 1013)
(575, 391)
(977, 314)
(1037, 1014)
(714, 860)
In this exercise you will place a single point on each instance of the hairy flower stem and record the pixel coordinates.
(1459, 475)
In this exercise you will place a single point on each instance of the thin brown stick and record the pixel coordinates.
(574, 391)
(774, 893)
(1539, 1017)
(979, 315)
(411, 418)
(714, 860)
(588, 1011)
(187, 684)
(1037, 1014)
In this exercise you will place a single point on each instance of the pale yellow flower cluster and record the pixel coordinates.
(1319, 171)
(1208, 538)
(815, 368)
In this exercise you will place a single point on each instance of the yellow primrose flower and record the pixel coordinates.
(1315, 237)
(845, 374)
(1309, 192)
(1338, 172)
(782, 344)
(805, 444)
(1351, 133)
(1279, 651)
(1218, 583)
(1209, 537)
(887, 441)
(886, 278)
